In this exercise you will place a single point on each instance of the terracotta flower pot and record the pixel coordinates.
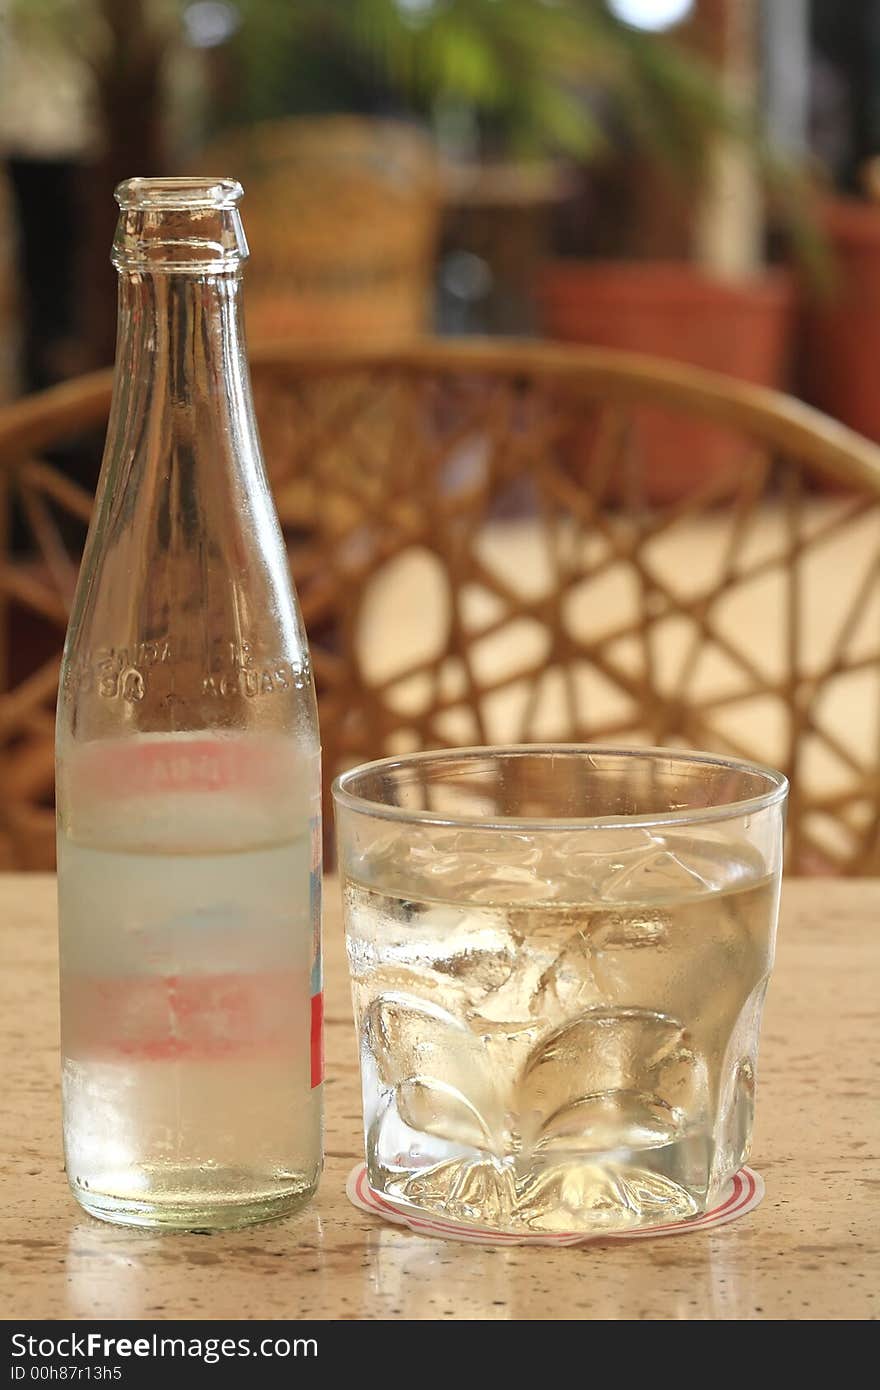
(841, 337)
(673, 310)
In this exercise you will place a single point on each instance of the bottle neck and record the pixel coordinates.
(184, 617)
(181, 370)
(180, 359)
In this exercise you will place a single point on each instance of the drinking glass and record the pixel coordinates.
(559, 956)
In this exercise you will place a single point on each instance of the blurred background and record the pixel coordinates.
(693, 178)
(505, 542)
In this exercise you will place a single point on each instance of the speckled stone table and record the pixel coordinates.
(810, 1251)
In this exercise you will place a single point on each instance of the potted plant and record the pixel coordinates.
(489, 79)
(841, 328)
(840, 341)
(527, 80)
(703, 294)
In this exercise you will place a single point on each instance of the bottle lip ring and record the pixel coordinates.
(169, 194)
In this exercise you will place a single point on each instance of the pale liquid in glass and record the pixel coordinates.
(186, 1014)
(559, 1040)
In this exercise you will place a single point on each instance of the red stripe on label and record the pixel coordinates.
(197, 1016)
(317, 1039)
(155, 768)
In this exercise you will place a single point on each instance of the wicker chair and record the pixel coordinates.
(477, 562)
(342, 216)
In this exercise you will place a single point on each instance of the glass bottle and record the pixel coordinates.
(188, 769)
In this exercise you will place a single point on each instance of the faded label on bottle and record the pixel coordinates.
(132, 670)
(123, 672)
(238, 669)
(156, 765)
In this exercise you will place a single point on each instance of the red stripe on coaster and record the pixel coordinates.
(317, 1041)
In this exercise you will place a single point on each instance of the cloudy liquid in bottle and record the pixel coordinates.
(190, 1007)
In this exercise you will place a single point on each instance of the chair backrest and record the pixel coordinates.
(342, 215)
(483, 554)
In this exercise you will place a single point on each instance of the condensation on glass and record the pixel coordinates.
(188, 768)
(559, 957)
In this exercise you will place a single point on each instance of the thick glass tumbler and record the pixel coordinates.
(559, 957)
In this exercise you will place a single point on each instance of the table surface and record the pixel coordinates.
(810, 1250)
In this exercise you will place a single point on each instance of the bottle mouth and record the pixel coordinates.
(179, 226)
(178, 194)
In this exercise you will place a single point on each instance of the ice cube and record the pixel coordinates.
(568, 985)
(627, 931)
(509, 884)
(480, 962)
(511, 999)
(462, 866)
(655, 873)
(583, 862)
(511, 849)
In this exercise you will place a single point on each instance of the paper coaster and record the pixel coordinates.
(740, 1195)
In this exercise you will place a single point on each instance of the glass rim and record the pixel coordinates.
(775, 794)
